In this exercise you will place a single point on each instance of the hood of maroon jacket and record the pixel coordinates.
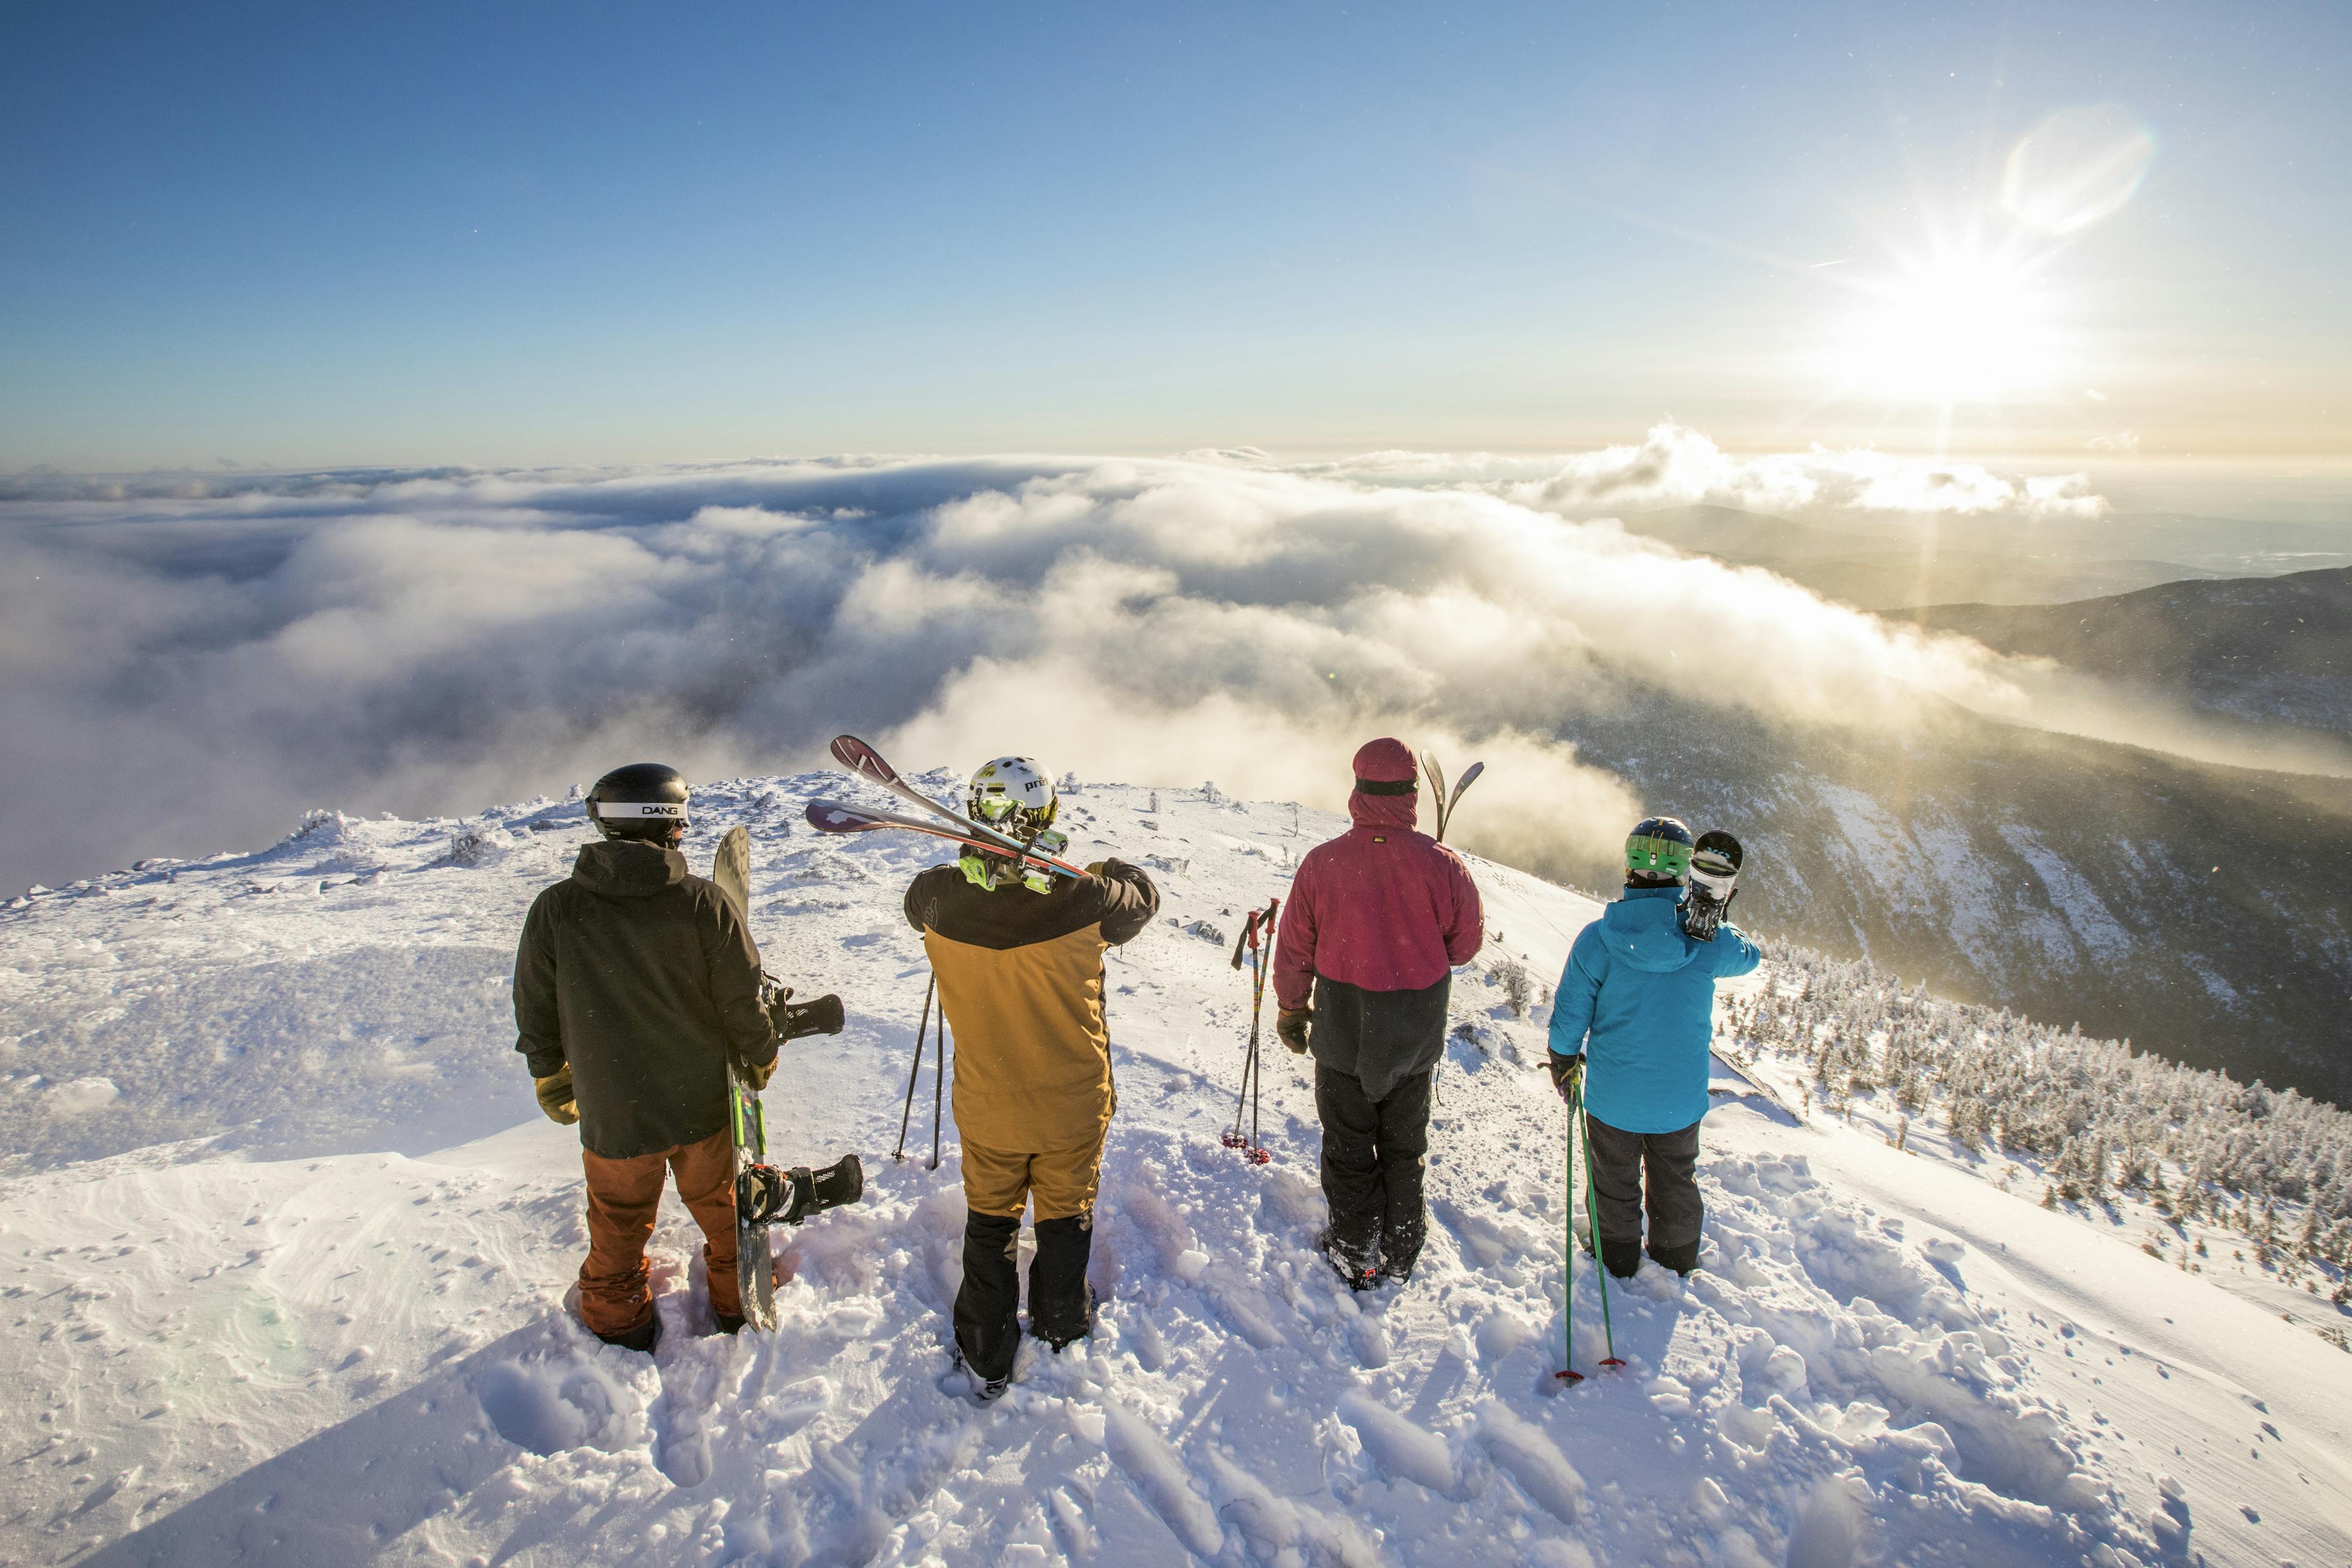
(1381, 907)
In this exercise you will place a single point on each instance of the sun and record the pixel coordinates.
(1956, 328)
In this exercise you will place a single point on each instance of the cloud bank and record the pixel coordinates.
(190, 665)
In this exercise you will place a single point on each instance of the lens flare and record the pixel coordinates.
(2077, 167)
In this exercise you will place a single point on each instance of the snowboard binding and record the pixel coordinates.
(766, 1194)
(793, 1020)
(1714, 875)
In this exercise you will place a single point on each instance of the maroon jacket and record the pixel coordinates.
(1381, 907)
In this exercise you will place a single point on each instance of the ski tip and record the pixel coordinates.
(839, 816)
(862, 760)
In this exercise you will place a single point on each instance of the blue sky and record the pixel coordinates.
(558, 234)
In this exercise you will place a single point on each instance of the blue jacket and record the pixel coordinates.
(1646, 994)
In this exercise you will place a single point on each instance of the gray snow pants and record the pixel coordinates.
(1620, 1160)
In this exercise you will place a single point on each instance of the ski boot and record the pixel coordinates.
(1355, 1275)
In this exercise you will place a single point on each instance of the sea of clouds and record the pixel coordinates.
(187, 663)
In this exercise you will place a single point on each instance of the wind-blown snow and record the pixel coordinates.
(291, 1287)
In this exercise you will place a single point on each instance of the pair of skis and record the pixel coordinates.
(840, 817)
(1440, 801)
(1257, 939)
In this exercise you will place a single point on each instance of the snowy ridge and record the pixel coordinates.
(264, 1301)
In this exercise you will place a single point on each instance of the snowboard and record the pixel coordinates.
(1715, 865)
(755, 1265)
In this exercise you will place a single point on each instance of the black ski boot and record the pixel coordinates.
(1358, 1274)
(1680, 1260)
(1399, 1250)
(1058, 1338)
(985, 1391)
(1622, 1258)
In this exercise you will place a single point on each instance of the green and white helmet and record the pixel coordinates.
(1014, 796)
(1659, 848)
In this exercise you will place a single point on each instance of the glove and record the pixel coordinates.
(756, 1074)
(1567, 1075)
(1291, 1028)
(555, 1096)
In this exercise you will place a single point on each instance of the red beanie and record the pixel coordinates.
(1386, 760)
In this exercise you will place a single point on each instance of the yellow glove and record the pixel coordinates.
(555, 1096)
(756, 1074)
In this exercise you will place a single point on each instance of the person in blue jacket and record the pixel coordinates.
(1633, 1022)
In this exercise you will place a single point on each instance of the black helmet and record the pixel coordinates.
(643, 800)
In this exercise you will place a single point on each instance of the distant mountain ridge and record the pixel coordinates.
(2204, 913)
(2271, 649)
(1876, 571)
(1900, 563)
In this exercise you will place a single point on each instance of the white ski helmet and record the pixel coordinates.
(1014, 796)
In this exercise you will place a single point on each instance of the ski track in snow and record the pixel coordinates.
(284, 1253)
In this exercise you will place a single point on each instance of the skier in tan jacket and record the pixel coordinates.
(1020, 968)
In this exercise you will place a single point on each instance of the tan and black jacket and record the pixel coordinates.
(1021, 982)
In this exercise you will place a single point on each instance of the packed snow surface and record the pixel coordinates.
(286, 1245)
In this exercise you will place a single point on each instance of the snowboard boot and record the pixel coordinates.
(728, 1324)
(643, 1337)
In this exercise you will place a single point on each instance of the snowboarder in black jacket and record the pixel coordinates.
(634, 982)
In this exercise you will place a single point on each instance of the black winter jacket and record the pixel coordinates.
(642, 977)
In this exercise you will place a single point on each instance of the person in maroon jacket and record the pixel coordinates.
(1378, 919)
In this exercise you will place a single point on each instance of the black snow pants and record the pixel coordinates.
(987, 1309)
(1670, 1160)
(1371, 1169)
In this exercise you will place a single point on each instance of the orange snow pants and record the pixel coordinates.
(616, 1287)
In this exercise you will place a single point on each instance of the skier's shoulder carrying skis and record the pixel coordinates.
(1119, 899)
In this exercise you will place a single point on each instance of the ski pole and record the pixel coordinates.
(938, 1079)
(1567, 1372)
(1261, 959)
(1257, 938)
(1248, 940)
(1592, 1218)
(915, 1069)
(1254, 1070)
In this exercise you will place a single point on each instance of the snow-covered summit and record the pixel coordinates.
(286, 1245)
